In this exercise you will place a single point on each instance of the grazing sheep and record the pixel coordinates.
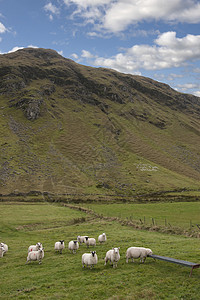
(102, 238)
(73, 246)
(59, 246)
(81, 239)
(35, 255)
(89, 259)
(113, 256)
(90, 241)
(4, 246)
(1, 251)
(35, 247)
(138, 252)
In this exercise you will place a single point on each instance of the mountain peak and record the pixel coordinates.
(36, 52)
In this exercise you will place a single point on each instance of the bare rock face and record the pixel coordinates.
(31, 106)
(33, 109)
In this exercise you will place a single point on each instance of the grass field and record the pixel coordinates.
(62, 276)
(176, 214)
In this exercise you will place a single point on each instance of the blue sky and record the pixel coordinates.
(159, 39)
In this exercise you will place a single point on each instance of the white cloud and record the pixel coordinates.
(168, 51)
(197, 93)
(123, 13)
(86, 54)
(168, 77)
(18, 48)
(196, 70)
(2, 28)
(192, 88)
(52, 10)
(60, 52)
(116, 15)
(188, 85)
(15, 49)
(74, 56)
(50, 17)
(173, 76)
(87, 3)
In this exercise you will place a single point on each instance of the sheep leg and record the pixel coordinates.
(142, 259)
(106, 260)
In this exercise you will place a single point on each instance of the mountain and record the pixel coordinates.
(69, 128)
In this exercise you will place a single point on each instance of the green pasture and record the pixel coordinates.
(179, 214)
(60, 276)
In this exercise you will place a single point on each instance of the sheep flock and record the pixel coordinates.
(90, 259)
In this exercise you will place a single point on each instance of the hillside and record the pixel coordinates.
(68, 128)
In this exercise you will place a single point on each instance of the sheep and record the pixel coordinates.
(138, 252)
(36, 255)
(81, 239)
(1, 251)
(113, 256)
(90, 241)
(4, 246)
(102, 238)
(89, 259)
(59, 246)
(35, 247)
(73, 246)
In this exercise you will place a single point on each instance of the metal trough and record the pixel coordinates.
(177, 261)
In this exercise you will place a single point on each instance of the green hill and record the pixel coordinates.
(68, 128)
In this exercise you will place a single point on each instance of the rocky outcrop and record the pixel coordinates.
(33, 109)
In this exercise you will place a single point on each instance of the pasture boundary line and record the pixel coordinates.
(135, 225)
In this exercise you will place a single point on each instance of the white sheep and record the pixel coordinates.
(90, 241)
(89, 259)
(59, 246)
(81, 239)
(1, 251)
(102, 238)
(113, 256)
(4, 246)
(138, 252)
(73, 246)
(35, 247)
(35, 255)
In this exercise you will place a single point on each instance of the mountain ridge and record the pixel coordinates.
(66, 127)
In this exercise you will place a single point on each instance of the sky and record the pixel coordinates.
(159, 39)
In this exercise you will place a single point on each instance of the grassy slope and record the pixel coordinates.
(62, 276)
(85, 140)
